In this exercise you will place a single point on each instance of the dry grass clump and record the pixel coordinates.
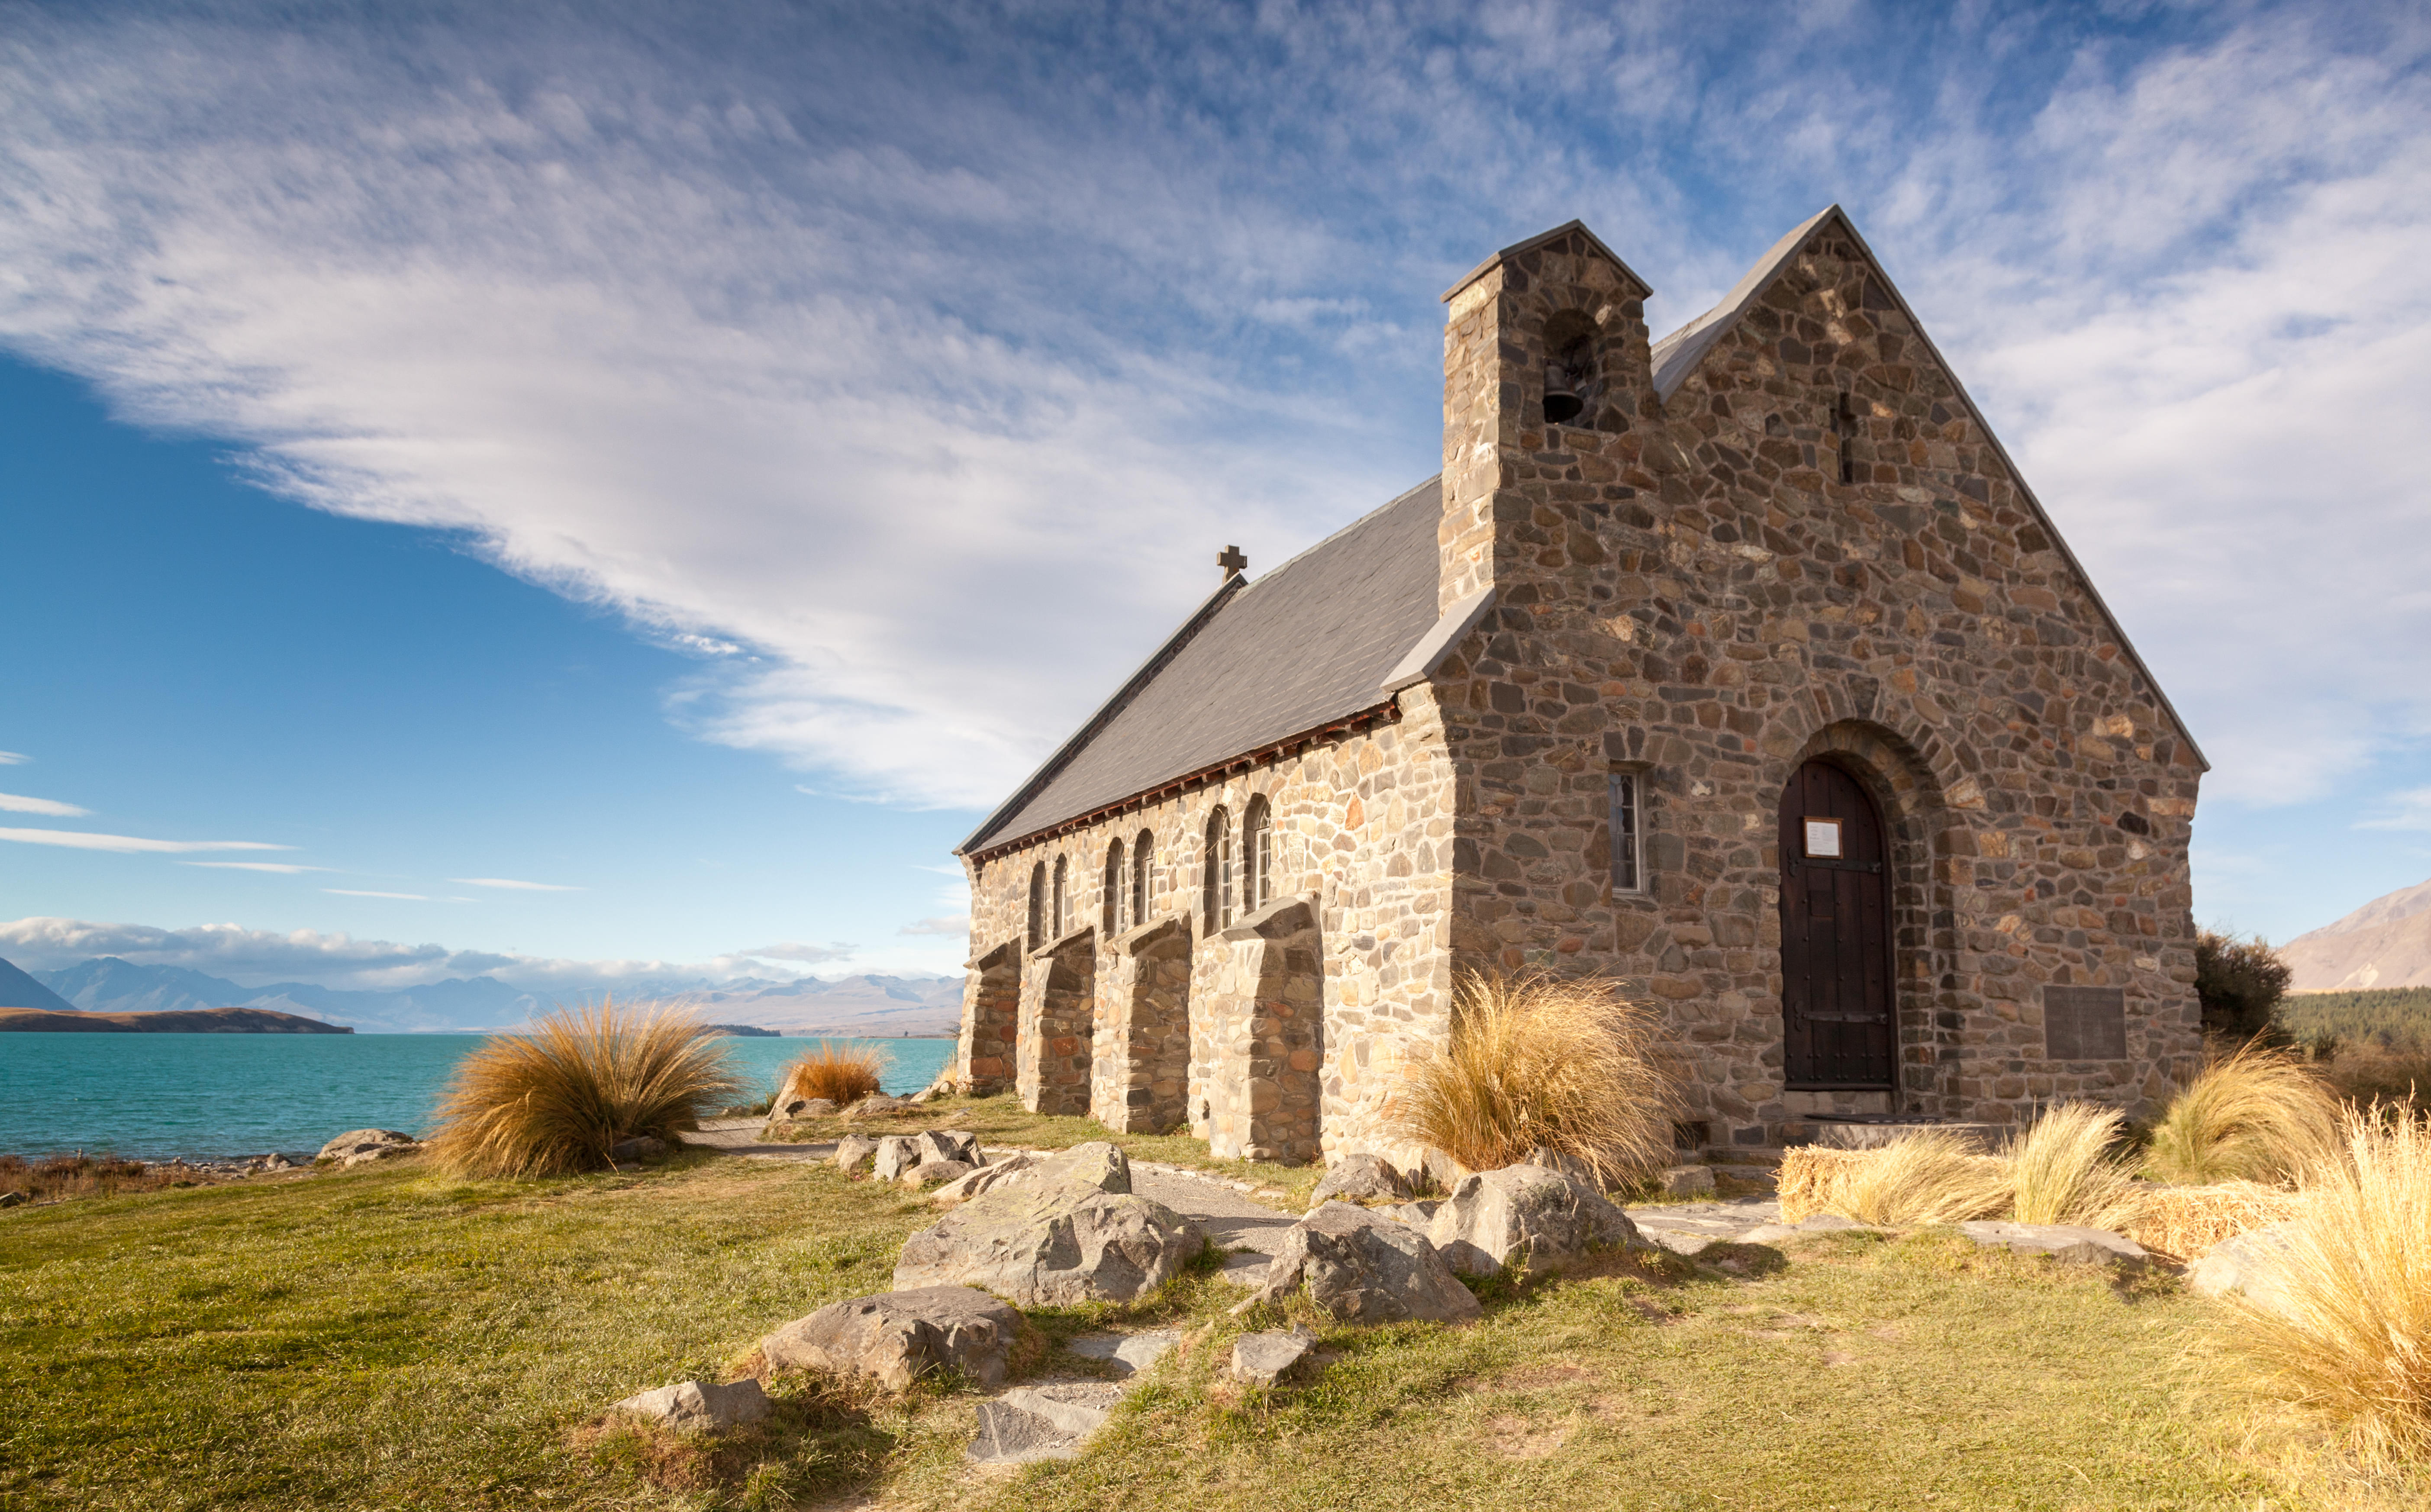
(2182, 1222)
(1538, 1062)
(2061, 1170)
(2259, 1115)
(844, 1074)
(2398, 1076)
(1933, 1176)
(551, 1102)
(2354, 1342)
(80, 1175)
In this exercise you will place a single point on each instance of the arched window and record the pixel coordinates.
(1038, 904)
(1217, 884)
(1257, 857)
(1062, 913)
(1114, 891)
(1142, 850)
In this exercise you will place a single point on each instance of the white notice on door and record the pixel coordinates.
(1823, 839)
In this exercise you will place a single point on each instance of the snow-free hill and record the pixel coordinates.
(864, 1005)
(18, 990)
(2386, 943)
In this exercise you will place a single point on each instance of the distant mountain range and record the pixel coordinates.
(2386, 943)
(863, 1005)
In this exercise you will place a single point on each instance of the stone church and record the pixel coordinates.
(1741, 666)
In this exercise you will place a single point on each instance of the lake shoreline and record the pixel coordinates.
(224, 1099)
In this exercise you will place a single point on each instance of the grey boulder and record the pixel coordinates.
(700, 1407)
(896, 1153)
(1363, 1267)
(356, 1146)
(1688, 1181)
(1263, 1359)
(2250, 1265)
(1545, 1217)
(1361, 1178)
(893, 1337)
(1054, 1241)
(987, 1178)
(2064, 1242)
(877, 1103)
(934, 1173)
(1125, 1353)
(854, 1153)
(1030, 1423)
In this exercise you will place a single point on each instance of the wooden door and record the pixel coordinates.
(1839, 1027)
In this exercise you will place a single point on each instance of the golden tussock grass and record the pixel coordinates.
(2061, 1170)
(2182, 1222)
(1927, 1177)
(2353, 1344)
(2256, 1115)
(552, 1100)
(843, 1074)
(1536, 1061)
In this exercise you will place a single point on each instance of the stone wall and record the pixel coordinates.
(1690, 591)
(1363, 826)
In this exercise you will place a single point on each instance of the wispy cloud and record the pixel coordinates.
(511, 884)
(357, 892)
(10, 758)
(953, 925)
(2410, 809)
(14, 803)
(874, 372)
(285, 868)
(800, 954)
(80, 840)
(338, 960)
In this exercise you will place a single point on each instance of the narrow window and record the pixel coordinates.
(1628, 839)
(1844, 424)
(1038, 904)
(1142, 849)
(1217, 886)
(1063, 913)
(1258, 855)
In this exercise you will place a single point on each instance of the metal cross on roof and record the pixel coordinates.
(1233, 562)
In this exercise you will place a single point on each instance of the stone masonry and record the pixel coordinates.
(1782, 535)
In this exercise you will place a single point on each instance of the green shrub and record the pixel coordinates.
(2241, 983)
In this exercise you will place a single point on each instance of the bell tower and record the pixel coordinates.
(1547, 382)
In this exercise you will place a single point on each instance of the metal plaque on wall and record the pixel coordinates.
(2084, 1023)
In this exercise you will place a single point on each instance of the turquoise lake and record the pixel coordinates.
(214, 1096)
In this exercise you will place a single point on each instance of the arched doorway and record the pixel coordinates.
(1840, 1021)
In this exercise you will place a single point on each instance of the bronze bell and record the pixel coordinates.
(1562, 402)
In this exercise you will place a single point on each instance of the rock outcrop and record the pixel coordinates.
(1071, 1232)
(895, 1336)
(359, 1146)
(1361, 1178)
(1263, 1359)
(700, 1407)
(1364, 1267)
(2245, 1264)
(1544, 1216)
(2064, 1242)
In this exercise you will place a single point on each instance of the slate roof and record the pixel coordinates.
(1315, 640)
(1306, 644)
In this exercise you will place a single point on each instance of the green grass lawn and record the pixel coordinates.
(389, 1338)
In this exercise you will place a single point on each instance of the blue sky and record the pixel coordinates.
(695, 469)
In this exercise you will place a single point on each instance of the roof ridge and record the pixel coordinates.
(1684, 351)
(1533, 242)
